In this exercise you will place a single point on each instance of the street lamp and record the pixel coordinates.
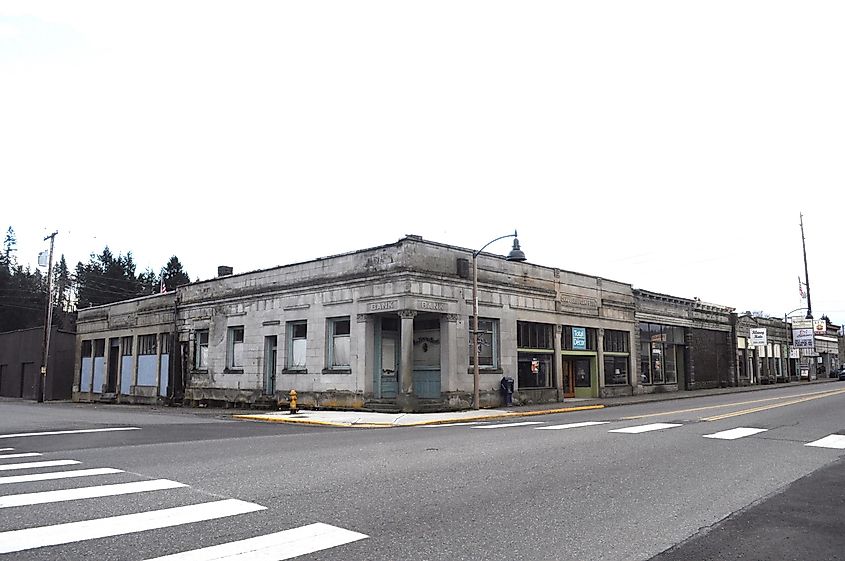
(515, 254)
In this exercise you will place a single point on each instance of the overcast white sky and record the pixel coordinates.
(666, 144)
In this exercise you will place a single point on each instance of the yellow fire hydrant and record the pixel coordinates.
(293, 407)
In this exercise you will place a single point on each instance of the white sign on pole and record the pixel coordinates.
(758, 336)
(42, 259)
(820, 327)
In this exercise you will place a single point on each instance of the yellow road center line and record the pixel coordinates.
(773, 406)
(725, 405)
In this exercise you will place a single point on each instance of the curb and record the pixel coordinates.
(507, 415)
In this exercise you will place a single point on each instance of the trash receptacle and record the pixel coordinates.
(506, 386)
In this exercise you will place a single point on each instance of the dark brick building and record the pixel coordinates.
(20, 363)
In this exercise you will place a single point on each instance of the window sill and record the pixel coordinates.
(199, 371)
(233, 371)
(295, 371)
(483, 370)
(337, 371)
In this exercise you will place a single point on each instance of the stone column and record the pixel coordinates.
(689, 341)
(362, 336)
(450, 376)
(406, 368)
(558, 361)
(600, 357)
(634, 360)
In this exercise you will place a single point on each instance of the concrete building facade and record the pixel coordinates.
(390, 328)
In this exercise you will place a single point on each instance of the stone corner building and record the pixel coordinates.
(389, 328)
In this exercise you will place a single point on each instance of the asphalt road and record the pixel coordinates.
(519, 492)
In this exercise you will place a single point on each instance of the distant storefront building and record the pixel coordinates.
(683, 344)
(764, 363)
(826, 336)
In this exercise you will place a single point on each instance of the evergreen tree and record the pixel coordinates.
(148, 282)
(22, 293)
(174, 275)
(22, 299)
(7, 259)
(106, 279)
(62, 286)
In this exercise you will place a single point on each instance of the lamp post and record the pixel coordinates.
(515, 254)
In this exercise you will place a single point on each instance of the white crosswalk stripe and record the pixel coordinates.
(6, 449)
(733, 434)
(57, 475)
(273, 547)
(44, 464)
(21, 455)
(572, 425)
(836, 441)
(55, 432)
(43, 497)
(646, 428)
(58, 534)
(506, 425)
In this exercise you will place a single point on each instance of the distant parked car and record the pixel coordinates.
(842, 375)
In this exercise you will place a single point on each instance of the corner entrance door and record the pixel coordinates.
(583, 377)
(568, 377)
(427, 357)
(387, 358)
(270, 349)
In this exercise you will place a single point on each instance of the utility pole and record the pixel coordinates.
(48, 320)
(806, 274)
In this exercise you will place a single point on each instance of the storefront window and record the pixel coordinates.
(615, 370)
(658, 353)
(534, 370)
(670, 370)
(645, 368)
(615, 341)
(488, 343)
(533, 335)
(657, 363)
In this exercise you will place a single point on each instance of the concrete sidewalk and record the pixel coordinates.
(367, 419)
